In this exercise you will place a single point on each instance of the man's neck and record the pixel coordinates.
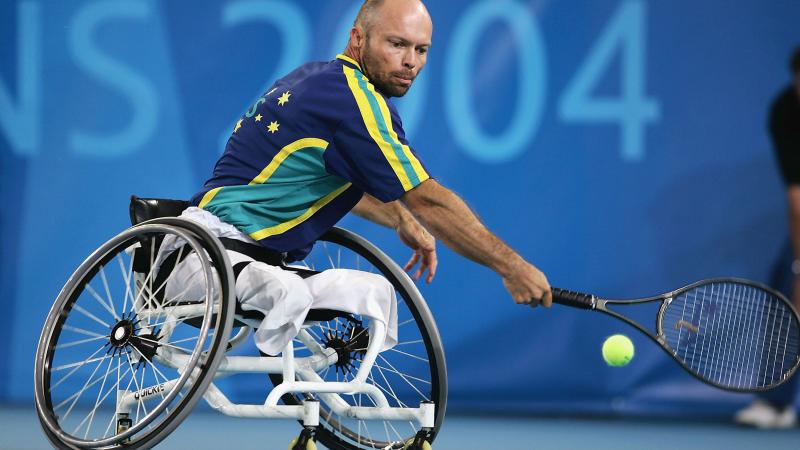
(353, 54)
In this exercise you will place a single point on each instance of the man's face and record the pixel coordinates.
(395, 49)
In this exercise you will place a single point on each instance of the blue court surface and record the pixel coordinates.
(208, 430)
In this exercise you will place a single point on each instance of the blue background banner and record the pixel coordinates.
(620, 145)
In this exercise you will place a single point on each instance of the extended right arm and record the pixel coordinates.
(450, 220)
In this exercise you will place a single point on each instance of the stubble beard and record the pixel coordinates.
(381, 81)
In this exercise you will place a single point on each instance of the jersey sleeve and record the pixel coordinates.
(371, 150)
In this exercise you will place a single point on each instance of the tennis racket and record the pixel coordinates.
(734, 334)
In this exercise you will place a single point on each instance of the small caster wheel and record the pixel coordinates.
(304, 442)
(411, 444)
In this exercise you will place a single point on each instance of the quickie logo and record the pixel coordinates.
(148, 391)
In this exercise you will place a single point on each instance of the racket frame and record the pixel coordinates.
(599, 304)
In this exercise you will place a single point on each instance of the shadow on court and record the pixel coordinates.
(207, 430)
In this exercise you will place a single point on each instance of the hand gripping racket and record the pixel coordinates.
(734, 334)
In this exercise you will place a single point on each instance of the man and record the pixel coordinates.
(325, 140)
(775, 408)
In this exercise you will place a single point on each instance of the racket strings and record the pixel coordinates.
(735, 335)
(726, 337)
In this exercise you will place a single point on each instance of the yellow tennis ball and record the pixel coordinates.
(618, 350)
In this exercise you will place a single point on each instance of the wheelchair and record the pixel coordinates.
(120, 364)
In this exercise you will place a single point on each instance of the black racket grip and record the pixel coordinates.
(573, 299)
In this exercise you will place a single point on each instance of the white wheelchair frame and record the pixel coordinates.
(300, 376)
(290, 367)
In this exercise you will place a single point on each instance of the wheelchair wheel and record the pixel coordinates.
(412, 372)
(122, 360)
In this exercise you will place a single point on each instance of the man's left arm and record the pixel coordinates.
(395, 216)
(387, 214)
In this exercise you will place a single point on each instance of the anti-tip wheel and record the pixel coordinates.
(411, 446)
(310, 445)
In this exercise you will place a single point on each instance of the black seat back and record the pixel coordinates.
(143, 209)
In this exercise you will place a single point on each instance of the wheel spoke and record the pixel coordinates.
(140, 294)
(108, 293)
(82, 390)
(141, 397)
(82, 331)
(156, 372)
(127, 389)
(389, 386)
(75, 369)
(100, 300)
(399, 436)
(194, 338)
(162, 286)
(66, 400)
(139, 401)
(386, 428)
(327, 369)
(110, 424)
(147, 293)
(177, 298)
(173, 319)
(405, 322)
(311, 332)
(82, 341)
(151, 276)
(97, 403)
(90, 315)
(369, 434)
(408, 354)
(403, 376)
(163, 398)
(153, 366)
(113, 416)
(80, 364)
(127, 276)
(181, 349)
(328, 254)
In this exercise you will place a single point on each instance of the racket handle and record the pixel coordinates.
(573, 299)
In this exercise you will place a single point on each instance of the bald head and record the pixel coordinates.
(372, 10)
(390, 40)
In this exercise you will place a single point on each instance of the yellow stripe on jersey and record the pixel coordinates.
(344, 57)
(284, 153)
(372, 127)
(387, 119)
(280, 228)
(208, 197)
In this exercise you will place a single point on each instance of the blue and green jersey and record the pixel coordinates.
(303, 155)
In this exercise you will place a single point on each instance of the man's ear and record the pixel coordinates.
(357, 37)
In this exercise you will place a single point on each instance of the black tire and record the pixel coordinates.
(416, 323)
(137, 338)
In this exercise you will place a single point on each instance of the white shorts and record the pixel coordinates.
(281, 295)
